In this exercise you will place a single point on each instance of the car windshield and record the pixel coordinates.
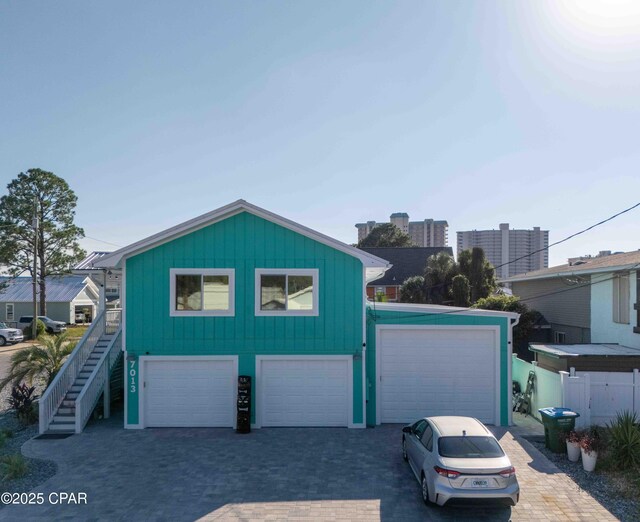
(44, 318)
(469, 447)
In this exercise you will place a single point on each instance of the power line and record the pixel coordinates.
(531, 298)
(569, 237)
(103, 241)
(553, 244)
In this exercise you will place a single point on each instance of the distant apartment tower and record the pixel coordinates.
(505, 246)
(425, 233)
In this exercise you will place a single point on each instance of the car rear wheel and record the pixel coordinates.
(404, 449)
(425, 490)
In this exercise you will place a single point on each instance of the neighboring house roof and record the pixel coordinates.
(584, 350)
(406, 262)
(611, 263)
(432, 309)
(375, 266)
(87, 262)
(60, 289)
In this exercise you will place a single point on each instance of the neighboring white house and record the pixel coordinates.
(594, 300)
(593, 362)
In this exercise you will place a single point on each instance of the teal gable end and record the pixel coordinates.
(243, 242)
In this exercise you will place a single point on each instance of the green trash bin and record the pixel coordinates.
(557, 421)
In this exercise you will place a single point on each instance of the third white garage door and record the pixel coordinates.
(304, 391)
(437, 371)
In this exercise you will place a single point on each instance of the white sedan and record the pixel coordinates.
(458, 458)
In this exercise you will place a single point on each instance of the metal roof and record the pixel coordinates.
(60, 289)
(87, 262)
(584, 350)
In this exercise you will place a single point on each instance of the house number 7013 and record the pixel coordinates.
(132, 376)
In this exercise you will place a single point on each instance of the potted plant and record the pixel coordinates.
(572, 439)
(590, 445)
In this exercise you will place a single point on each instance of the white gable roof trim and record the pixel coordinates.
(432, 309)
(114, 260)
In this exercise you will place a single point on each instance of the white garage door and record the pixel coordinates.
(305, 392)
(189, 393)
(437, 371)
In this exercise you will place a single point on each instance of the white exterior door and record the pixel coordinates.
(189, 392)
(424, 372)
(305, 391)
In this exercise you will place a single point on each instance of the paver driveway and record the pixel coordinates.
(272, 474)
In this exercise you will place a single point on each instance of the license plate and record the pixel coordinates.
(480, 483)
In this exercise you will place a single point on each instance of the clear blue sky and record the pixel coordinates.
(330, 113)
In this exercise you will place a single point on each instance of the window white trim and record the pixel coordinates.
(230, 272)
(621, 299)
(13, 312)
(313, 272)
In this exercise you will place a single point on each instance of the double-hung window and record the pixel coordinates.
(291, 291)
(621, 298)
(202, 292)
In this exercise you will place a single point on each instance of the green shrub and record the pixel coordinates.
(22, 401)
(40, 329)
(624, 435)
(8, 434)
(3, 440)
(12, 467)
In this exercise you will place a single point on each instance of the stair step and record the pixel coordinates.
(68, 428)
(64, 419)
(85, 374)
(80, 381)
(72, 395)
(66, 403)
(76, 388)
(65, 410)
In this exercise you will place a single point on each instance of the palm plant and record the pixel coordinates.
(438, 274)
(40, 363)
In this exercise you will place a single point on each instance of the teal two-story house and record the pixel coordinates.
(242, 291)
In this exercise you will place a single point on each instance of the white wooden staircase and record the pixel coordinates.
(67, 404)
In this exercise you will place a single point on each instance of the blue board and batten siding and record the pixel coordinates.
(243, 242)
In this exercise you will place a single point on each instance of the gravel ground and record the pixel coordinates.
(596, 484)
(38, 470)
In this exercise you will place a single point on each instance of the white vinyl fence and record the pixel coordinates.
(596, 396)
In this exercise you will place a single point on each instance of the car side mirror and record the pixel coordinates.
(407, 429)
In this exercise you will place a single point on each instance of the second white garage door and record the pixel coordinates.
(437, 371)
(304, 391)
(189, 392)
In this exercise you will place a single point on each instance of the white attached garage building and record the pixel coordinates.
(437, 360)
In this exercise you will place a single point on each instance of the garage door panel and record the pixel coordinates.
(182, 393)
(426, 372)
(298, 392)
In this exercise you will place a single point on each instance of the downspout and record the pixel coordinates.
(512, 323)
(364, 346)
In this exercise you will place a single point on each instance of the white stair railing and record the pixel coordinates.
(97, 382)
(54, 394)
